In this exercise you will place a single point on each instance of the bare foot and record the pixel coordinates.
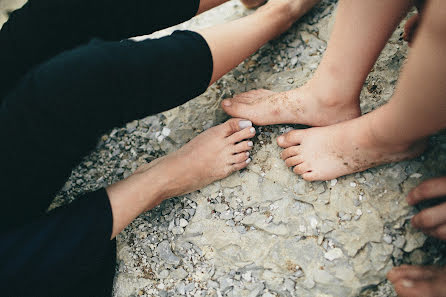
(212, 155)
(299, 106)
(416, 281)
(252, 3)
(431, 220)
(325, 153)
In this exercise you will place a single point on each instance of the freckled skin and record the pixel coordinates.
(325, 153)
(299, 106)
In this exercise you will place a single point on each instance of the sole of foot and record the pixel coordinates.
(414, 281)
(325, 153)
(299, 106)
(211, 156)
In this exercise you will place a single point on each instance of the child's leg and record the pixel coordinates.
(424, 281)
(392, 132)
(233, 42)
(361, 30)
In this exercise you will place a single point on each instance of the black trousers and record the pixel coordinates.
(67, 76)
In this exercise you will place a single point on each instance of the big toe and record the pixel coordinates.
(291, 138)
(234, 125)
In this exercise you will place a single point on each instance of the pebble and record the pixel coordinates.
(333, 254)
(333, 182)
(166, 254)
(387, 238)
(183, 223)
(353, 184)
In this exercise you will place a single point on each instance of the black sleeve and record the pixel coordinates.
(65, 253)
(59, 109)
(45, 28)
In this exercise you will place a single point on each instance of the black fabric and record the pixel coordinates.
(64, 82)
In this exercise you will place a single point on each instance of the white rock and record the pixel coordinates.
(166, 132)
(333, 254)
(333, 182)
(183, 223)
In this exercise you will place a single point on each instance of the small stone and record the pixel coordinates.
(353, 184)
(416, 175)
(346, 217)
(183, 223)
(309, 283)
(226, 284)
(166, 254)
(165, 132)
(333, 254)
(177, 230)
(247, 276)
(320, 239)
(399, 242)
(333, 182)
(189, 287)
(359, 212)
(179, 273)
(387, 238)
(164, 274)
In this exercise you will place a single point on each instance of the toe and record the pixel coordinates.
(241, 165)
(237, 108)
(242, 135)
(243, 147)
(291, 138)
(233, 126)
(293, 161)
(310, 176)
(290, 152)
(411, 288)
(301, 168)
(239, 158)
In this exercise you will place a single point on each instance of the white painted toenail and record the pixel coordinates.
(250, 143)
(281, 139)
(253, 130)
(407, 283)
(248, 161)
(244, 124)
(247, 153)
(227, 103)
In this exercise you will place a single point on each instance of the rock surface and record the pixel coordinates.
(265, 231)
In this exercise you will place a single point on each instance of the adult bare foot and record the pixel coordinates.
(416, 281)
(325, 153)
(300, 106)
(212, 155)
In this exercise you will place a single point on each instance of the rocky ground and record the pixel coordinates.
(265, 231)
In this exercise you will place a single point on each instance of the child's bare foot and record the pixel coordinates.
(252, 3)
(431, 220)
(299, 106)
(212, 155)
(416, 281)
(325, 153)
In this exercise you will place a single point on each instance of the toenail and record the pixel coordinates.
(250, 143)
(248, 161)
(227, 103)
(407, 283)
(281, 139)
(247, 154)
(244, 124)
(253, 130)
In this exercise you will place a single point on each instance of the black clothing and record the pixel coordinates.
(62, 86)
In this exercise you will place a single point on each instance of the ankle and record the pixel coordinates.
(332, 94)
(377, 135)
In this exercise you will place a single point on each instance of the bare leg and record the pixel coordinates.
(361, 30)
(221, 150)
(411, 281)
(211, 156)
(233, 42)
(391, 133)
